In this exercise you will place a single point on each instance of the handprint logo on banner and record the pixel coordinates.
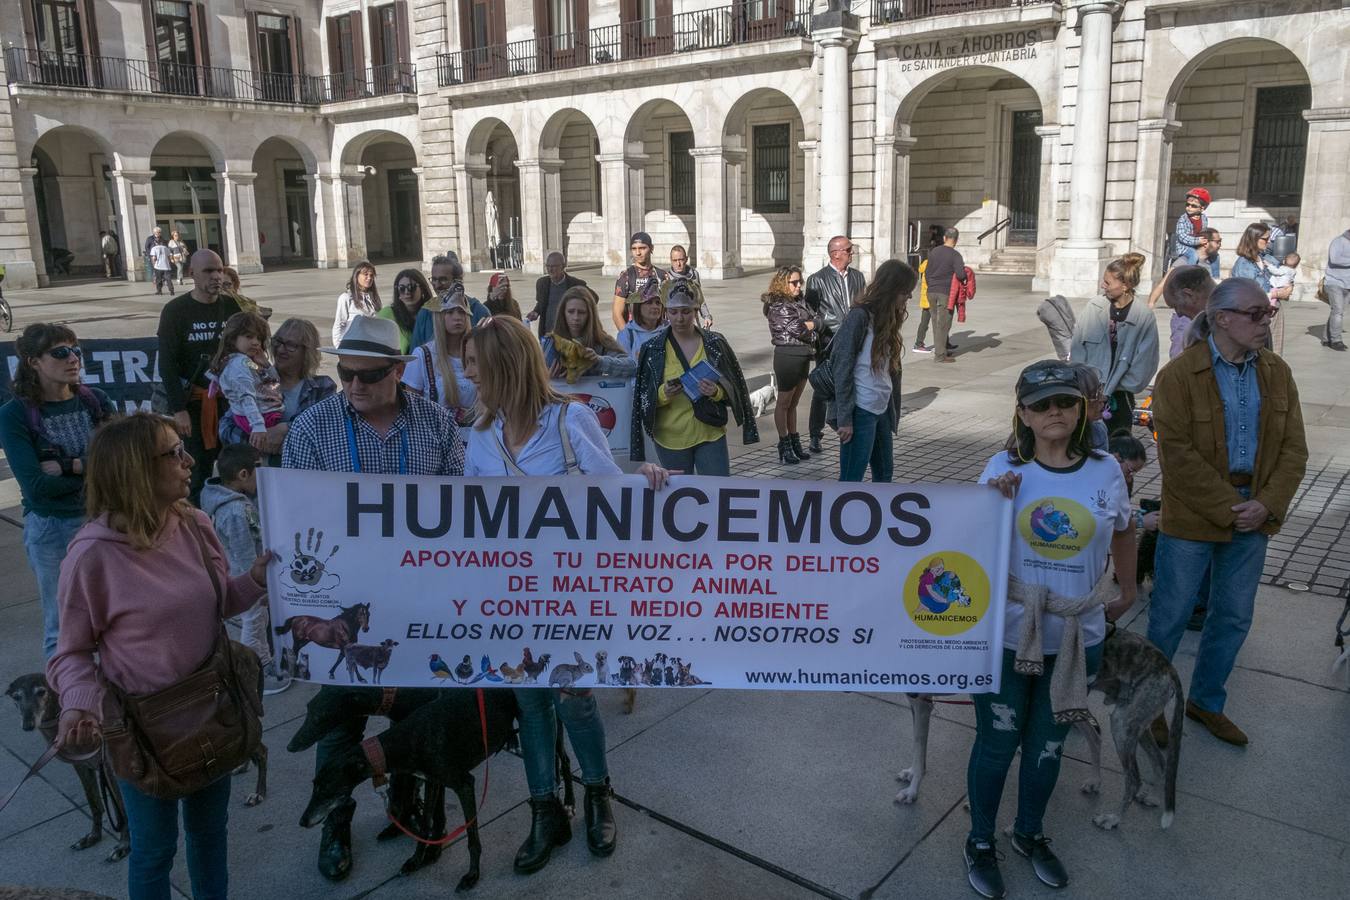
(307, 573)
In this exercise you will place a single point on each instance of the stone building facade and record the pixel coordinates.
(1053, 134)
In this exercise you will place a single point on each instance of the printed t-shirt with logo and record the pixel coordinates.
(631, 280)
(1062, 535)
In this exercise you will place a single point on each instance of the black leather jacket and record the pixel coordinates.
(787, 322)
(829, 296)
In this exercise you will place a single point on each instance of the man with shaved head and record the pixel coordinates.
(189, 333)
(830, 294)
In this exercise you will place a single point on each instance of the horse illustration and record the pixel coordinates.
(335, 633)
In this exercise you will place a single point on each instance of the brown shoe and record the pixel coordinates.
(947, 359)
(1159, 731)
(1218, 725)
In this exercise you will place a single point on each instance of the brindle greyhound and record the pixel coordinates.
(1137, 681)
(335, 633)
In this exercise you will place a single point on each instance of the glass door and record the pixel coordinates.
(60, 60)
(175, 48)
(276, 78)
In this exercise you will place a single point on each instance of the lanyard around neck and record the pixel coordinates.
(356, 456)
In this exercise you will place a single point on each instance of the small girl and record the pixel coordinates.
(243, 373)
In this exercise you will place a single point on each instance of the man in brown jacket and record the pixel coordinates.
(1233, 452)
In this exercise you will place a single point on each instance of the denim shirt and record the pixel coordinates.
(1241, 396)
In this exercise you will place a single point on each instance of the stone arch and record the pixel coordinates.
(658, 136)
(187, 190)
(491, 153)
(73, 198)
(384, 165)
(284, 168)
(913, 93)
(772, 196)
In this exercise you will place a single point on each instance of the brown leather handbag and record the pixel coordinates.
(175, 741)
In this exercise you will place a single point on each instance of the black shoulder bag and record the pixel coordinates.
(706, 409)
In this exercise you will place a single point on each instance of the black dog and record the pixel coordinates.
(1148, 545)
(40, 708)
(442, 740)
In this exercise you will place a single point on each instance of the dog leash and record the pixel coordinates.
(47, 756)
(442, 841)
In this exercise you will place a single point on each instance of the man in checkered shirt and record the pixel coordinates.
(373, 426)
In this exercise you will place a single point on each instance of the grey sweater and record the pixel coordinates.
(1136, 358)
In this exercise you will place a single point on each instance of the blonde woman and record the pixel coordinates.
(578, 322)
(1119, 339)
(139, 609)
(437, 368)
(359, 298)
(524, 427)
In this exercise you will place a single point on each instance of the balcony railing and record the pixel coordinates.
(662, 36)
(139, 76)
(888, 12)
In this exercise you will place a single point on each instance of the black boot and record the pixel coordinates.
(335, 846)
(815, 444)
(549, 828)
(785, 454)
(601, 832)
(796, 441)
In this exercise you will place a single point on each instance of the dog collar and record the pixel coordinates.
(374, 752)
(386, 701)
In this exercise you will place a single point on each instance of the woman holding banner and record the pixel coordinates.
(689, 385)
(1072, 513)
(526, 428)
(578, 344)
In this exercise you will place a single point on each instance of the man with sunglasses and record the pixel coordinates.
(374, 426)
(830, 293)
(1233, 452)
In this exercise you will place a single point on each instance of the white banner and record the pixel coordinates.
(711, 582)
(612, 401)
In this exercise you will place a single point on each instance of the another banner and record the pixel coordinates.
(612, 401)
(126, 369)
(710, 582)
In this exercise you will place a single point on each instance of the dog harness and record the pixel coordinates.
(386, 701)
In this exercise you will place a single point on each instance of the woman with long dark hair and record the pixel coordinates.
(1118, 338)
(1072, 513)
(792, 330)
(411, 293)
(865, 362)
(360, 298)
(140, 609)
(45, 432)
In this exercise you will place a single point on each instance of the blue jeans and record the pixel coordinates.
(45, 539)
(1024, 719)
(154, 841)
(708, 458)
(870, 445)
(539, 734)
(1234, 568)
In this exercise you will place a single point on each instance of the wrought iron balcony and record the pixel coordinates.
(138, 76)
(888, 12)
(662, 36)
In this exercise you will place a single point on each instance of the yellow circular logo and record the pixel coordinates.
(1056, 527)
(947, 593)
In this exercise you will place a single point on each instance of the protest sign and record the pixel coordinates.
(126, 369)
(612, 401)
(586, 581)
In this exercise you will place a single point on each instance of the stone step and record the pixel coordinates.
(1012, 261)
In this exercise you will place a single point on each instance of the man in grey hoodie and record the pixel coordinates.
(230, 500)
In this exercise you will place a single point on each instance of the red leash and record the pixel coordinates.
(440, 842)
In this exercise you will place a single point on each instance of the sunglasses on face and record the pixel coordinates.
(1063, 401)
(406, 287)
(65, 352)
(1257, 315)
(366, 376)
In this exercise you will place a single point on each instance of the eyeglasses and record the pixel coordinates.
(178, 453)
(1257, 315)
(1063, 401)
(406, 287)
(64, 352)
(288, 346)
(365, 376)
(795, 282)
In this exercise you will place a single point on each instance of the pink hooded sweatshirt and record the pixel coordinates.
(150, 615)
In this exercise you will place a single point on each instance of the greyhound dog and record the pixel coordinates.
(1137, 681)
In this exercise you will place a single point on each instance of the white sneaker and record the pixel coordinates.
(274, 680)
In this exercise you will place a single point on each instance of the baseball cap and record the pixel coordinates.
(1047, 378)
(641, 237)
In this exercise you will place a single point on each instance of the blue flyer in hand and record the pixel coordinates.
(692, 377)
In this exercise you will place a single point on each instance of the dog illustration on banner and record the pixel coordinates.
(307, 573)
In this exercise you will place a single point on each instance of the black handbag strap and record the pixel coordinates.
(679, 353)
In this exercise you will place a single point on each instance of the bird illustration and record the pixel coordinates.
(438, 667)
(573, 356)
(486, 670)
(464, 671)
(511, 674)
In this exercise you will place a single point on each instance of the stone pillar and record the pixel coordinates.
(37, 274)
(551, 172)
(1077, 265)
(622, 183)
(471, 192)
(836, 136)
(534, 215)
(812, 242)
(136, 206)
(717, 185)
(242, 248)
(423, 210)
(1047, 207)
(1152, 171)
(352, 210)
(890, 197)
(1326, 193)
(323, 237)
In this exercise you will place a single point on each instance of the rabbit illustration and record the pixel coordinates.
(565, 674)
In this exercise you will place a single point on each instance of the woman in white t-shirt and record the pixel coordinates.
(1072, 514)
(437, 369)
(523, 428)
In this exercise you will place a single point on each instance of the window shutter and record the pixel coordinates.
(582, 16)
(542, 26)
(358, 45)
(376, 44)
(404, 32)
(200, 37)
(29, 25)
(297, 47)
(465, 26)
(498, 15)
(89, 37)
(334, 52)
(148, 15)
(253, 42)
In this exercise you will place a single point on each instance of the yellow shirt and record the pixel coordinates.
(923, 285)
(676, 426)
